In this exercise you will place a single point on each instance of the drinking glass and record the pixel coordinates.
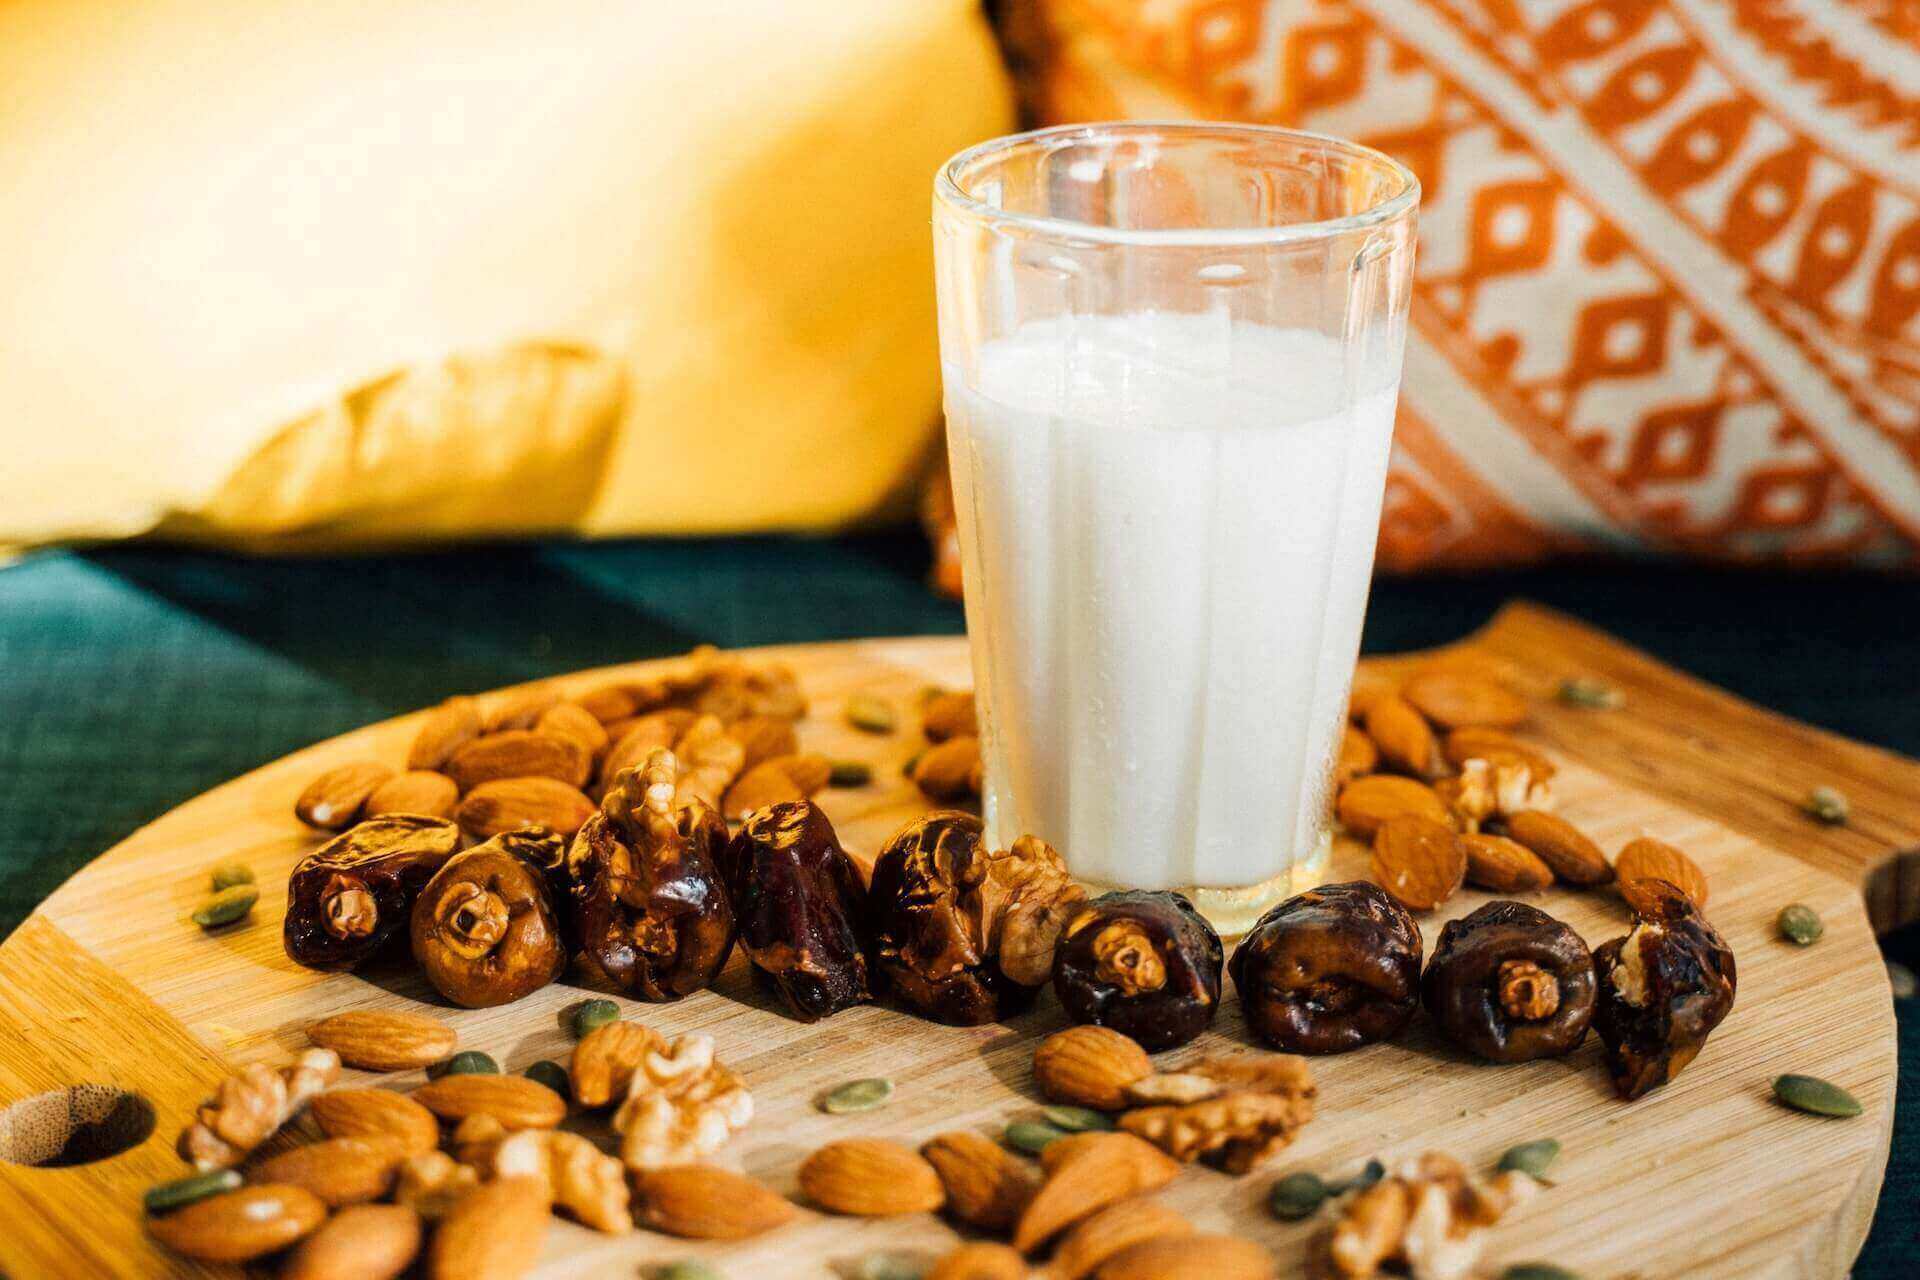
(1171, 354)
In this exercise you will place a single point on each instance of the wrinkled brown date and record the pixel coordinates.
(934, 904)
(485, 930)
(1663, 989)
(1330, 970)
(351, 896)
(801, 909)
(650, 907)
(1144, 963)
(545, 852)
(1511, 984)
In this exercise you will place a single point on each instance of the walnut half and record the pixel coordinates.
(1234, 1112)
(681, 1107)
(1430, 1217)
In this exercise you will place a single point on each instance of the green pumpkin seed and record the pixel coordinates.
(1799, 924)
(913, 762)
(1370, 1174)
(1077, 1119)
(229, 874)
(550, 1074)
(871, 713)
(1537, 1271)
(1595, 695)
(182, 1192)
(685, 1269)
(1531, 1158)
(227, 906)
(1815, 1096)
(470, 1062)
(849, 773)
(858, 1095)
(592, 1015)
(1827, 806)
(1297, 1196)
(1032, 1136)
(889, 1266)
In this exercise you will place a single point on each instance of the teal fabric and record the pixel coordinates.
(132, 679)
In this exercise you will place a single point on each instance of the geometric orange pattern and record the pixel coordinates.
(1667, 295)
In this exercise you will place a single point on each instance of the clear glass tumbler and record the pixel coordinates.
(1171, 355)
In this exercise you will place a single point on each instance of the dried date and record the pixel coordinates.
(649, 904)
(801, 908)
(1330, 970)
(1144, 963)
(1511, 984)
(1664, 987)
(485, 929)
(351, 896)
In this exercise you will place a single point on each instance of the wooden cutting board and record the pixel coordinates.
(108, 983)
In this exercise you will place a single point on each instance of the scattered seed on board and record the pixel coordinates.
(1297, 1196)
(592, 1015)
(889, 1266)
(1077, 1119)
(1584, 691)
(685, 1269)
(1800, 924)
(470, 1062)
(1031, 1136)
(857, 1095)
(1537, 1271)
(229, 874)
(871, 713)
(849, 773)
(1531, 1158)
(551, 1074)
(1828, 806)
(182, 1192)
(1815, 1096)
(227, 906)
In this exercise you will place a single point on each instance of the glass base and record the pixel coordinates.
(1234, 911)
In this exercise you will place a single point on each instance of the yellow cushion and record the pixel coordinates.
(334, 275)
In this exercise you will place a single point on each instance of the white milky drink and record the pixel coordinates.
(1167, 522)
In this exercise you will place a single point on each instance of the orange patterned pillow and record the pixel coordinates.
(1668, 292)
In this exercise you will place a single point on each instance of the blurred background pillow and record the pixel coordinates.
(1668, 291)
(296, 275)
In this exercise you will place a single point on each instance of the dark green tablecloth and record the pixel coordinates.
(131, 680)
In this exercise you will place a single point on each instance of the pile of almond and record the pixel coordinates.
(1430, 772)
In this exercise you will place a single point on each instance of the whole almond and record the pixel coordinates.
(1404, 737)
(241, 1225)
(376, 1113)
(382, 1040)
(870, 1178)
(1358, 756)
(648, 734)
(363, 1242)
(781, 780)
(949, 715)
(1367, 689)
(1366, 803)
(1502, 865)
(519, 753)
(1113, 1230)
(607, 703)
(1560, 845)
(1456, 700)
(981, 1260)
(986, 1185)
(521, 708)
(515, 1101)
(1207, 1257)
(444, 730)
(415, 791)
(606, 1058)
(701, 1202)
(764, 738)
(1650, 859)
(571, 720)
(340, 1171)
(1097, 1170)
(333, 801)
(493, 1232)
(1089, 1066)
(1496, 746)
(1418, 860)
(514, 804)
(946, 771)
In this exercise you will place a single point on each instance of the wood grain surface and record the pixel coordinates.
(109, 983)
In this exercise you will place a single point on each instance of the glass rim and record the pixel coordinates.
(947, 188)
